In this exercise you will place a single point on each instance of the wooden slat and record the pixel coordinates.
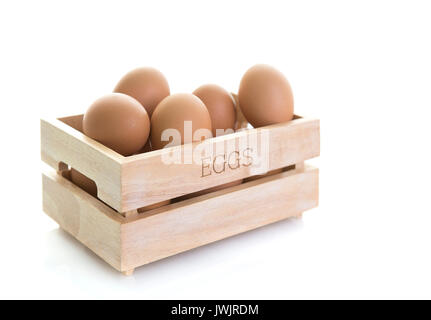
(126, 243)
(129, 183)
(61, 143)
(208, 218)
(147, 180)
(74, 121)
(87, 219)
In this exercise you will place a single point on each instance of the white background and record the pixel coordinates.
(362, 67)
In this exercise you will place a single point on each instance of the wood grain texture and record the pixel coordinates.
(208, 218)
(87, 219)
(129, 183)
(74, 121)
(147, 180)
(126, 243)
(62, 144)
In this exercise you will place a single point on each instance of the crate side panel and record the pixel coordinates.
(292, 146)
(85, 218)
(61, 143)
(149, 179)
(206, 219)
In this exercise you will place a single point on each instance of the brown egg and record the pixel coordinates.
(119, 122)
(265, 96)
(220, 105)
(172, 112)
(147, 85)
(83, 182)
(146, 148)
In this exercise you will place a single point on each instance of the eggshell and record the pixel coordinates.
(83, 182)
(146, 148)
(147, 85)
(119, 122)
(172, 112)
(220, 105)
(265, 96)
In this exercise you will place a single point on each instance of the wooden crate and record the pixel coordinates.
(112, 226)
(126, 243)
